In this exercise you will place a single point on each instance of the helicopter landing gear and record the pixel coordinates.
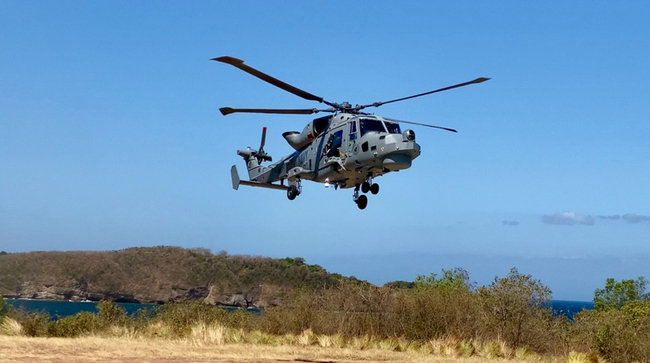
(365, 187)
(361, 200)
(294, 190)
(369, 186)
(374, 188)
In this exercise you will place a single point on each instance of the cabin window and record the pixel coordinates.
(371, 125)
(393, 127)
(338, 139)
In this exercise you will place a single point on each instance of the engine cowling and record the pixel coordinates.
(300, 140)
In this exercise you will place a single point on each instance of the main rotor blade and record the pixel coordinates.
(420, 124)
(377, 104)
(265, 77)
(228, 110)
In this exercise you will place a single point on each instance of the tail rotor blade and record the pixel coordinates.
(263, 139)
(261, 154)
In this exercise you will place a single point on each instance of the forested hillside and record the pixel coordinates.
(157, 274)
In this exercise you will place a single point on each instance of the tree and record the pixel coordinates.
(513, 305)
(618, 293)
(456, 278)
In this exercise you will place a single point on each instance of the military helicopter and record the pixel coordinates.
(346, 149)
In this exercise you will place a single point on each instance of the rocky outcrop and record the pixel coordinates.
(263, 297)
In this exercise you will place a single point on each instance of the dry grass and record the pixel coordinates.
(213, 342)
(577, 357)
(131, 350)
(10, 327)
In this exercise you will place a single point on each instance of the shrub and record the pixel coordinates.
(108, 312)
(181, 317)
(73, 326)
(35, 324)
(619, 335)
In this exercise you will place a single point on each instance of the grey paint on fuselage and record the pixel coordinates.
(385, 152)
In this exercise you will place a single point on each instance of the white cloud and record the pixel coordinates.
(635, 218)
(568, 218)
(612, 217)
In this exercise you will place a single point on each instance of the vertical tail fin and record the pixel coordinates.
(235, 177)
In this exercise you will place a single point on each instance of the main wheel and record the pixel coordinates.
(362, 202)
(292, 192)
(374, 189)
(365, 187)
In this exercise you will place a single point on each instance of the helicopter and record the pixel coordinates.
(347, 149)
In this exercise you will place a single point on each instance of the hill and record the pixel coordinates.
(157, 275)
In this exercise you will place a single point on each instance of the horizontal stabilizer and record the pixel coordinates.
(236, 182)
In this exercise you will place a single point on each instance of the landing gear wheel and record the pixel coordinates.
(374, 189)
(292, 192)
(365, 187)
(362, 202)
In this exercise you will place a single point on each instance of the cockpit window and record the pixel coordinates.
(368, 125)
(393, 128)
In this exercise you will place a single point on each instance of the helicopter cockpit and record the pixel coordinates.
(375, 125)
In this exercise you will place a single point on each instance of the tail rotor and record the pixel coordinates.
(261, 154)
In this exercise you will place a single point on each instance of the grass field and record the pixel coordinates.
(130, 350)
(99, 349)
(216, 343)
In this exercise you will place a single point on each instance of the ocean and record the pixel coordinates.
(67, 308)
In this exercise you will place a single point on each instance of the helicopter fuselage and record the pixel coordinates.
(350, 150)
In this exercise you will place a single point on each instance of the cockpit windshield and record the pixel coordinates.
(369, 125)
(393, 127)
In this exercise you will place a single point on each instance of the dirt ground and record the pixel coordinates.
(132, 350)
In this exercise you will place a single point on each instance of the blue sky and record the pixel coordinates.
(110, 134)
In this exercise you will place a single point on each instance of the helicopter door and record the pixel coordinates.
(334, 143)
(353, 134)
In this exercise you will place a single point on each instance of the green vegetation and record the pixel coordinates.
(615, 295)
(443, 314)
(619, 327)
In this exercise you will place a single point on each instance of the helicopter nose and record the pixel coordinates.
(397, 161)
(400, 152)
